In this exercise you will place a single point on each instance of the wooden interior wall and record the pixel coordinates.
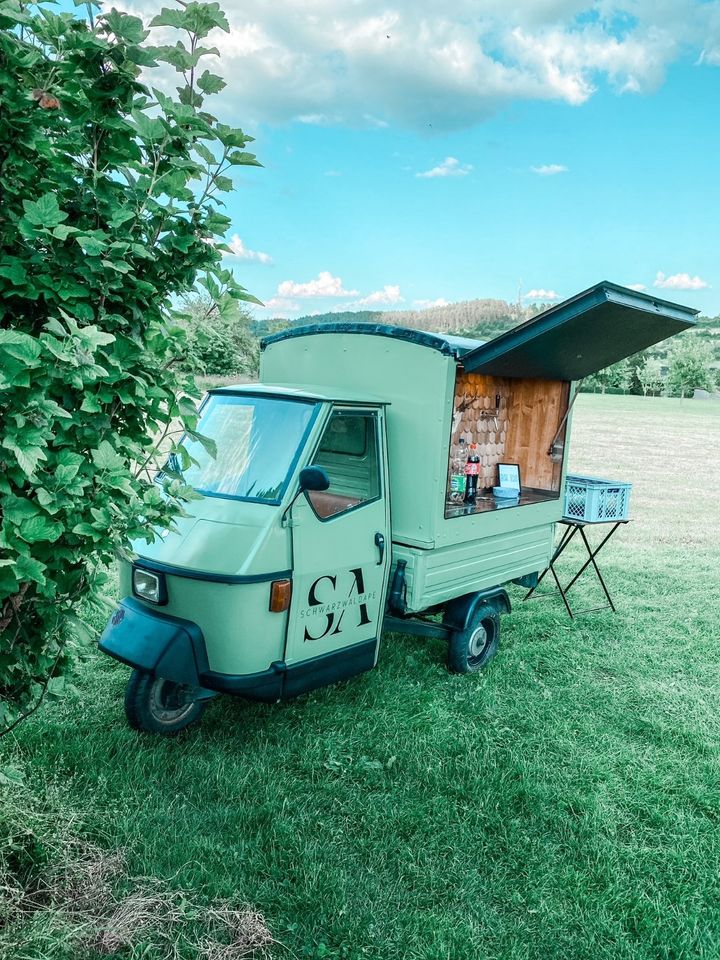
(474, 420)
(536, 408)
(521, 432)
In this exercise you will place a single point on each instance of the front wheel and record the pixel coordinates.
(473, 647)
(161, 706)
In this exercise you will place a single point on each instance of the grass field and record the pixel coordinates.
(564, 804)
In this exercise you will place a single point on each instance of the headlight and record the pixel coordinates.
(149, 586)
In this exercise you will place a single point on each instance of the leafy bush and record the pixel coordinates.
(110, 193)
(220, 339)
(690, 366)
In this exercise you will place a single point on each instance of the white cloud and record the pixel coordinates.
(282, 304)
(679, 281)
(318, 119)
(549, 169)
(326, 285)
(425, 304)
(450, 167)
(637, 286)
(390, 293)
(375, 121)
(540, 293)
(333, 173)
(424, 65)
(238, 249)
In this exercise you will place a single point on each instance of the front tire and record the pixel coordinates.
(473, 647)
(156, 705)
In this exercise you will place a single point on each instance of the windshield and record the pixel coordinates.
(257, 441)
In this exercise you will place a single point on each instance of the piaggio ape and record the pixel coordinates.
(330, 513)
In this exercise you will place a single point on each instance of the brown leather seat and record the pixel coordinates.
(328, 504)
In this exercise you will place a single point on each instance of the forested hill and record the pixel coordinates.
(483, 318)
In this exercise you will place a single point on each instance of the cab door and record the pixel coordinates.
(341, 555)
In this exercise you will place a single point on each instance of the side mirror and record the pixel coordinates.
(314, 478)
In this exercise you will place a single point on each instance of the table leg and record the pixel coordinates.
(597, 569)
(567, 536)
(591, 559)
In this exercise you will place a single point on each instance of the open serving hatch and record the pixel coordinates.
(512, 393)
(582, 335)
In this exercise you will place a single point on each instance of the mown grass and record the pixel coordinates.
(564, 804)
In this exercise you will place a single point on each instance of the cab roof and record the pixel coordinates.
(300, 391)
(451, 346)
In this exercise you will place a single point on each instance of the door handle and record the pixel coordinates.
(380, 544)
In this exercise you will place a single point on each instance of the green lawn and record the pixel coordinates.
(564, 804)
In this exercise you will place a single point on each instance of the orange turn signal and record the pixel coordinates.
(280, 593)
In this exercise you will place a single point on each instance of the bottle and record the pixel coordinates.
(457, 474)
(472, 469)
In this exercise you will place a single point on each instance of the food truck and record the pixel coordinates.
(376, 479)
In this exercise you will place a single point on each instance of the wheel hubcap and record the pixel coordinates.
(170, 702)
(478, 642)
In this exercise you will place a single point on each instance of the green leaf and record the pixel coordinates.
(242, 158)
(82, 629)
(90, 404)
(54, 326)
(46, 499)
(224, 184)
(68, 458)
(207, 154)
(197, 18)
(95, 337)
(40, 528)
(149, 128)
(125, 27)
(27, 568)
(118, 265)
(85, 530)
(17, 509)
(64, 231)
(15, 272)
(91, 245)
(11, 777)
(20, 345)
(120, 216)
(44, 212)
(177, 56)
(168, 18)
(211, 82)
(27, 457)
(107, 458)
(206, 442)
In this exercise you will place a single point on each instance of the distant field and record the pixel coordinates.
(565, 804)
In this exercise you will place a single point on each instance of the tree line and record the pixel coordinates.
(226, 341)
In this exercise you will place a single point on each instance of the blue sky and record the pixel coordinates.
(413, 155)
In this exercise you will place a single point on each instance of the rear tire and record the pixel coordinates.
(472, 648)
(156, 705)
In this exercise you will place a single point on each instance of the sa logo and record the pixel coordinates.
(335, 610)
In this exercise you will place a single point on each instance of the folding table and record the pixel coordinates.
(571, 528)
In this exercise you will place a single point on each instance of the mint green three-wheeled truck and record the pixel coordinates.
(333, 512)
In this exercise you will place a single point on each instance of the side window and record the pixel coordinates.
(348, 452)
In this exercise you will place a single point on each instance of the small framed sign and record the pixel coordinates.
(509, 475)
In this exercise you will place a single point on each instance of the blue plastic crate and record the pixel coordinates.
(592, 500)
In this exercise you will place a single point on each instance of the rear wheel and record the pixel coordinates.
(473, 647)
(161, 706)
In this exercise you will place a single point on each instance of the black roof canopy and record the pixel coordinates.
(584, 334)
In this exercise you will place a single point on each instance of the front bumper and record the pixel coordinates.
(155, 642)
(174, 649)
